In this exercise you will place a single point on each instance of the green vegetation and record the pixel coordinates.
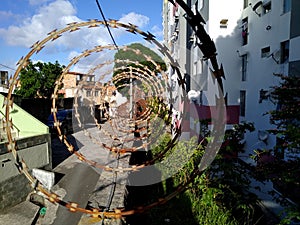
(38, 79)
(287, 115)
(160, 109)
(134, 57)
(271, 165)
(219, 196)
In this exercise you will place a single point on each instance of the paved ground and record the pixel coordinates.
(79, 183)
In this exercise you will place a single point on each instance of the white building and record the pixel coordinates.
(254, 40)
(4, 81)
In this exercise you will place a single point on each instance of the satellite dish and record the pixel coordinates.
(276, 56)
(263, 135)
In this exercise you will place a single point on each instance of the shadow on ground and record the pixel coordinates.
(60, 151)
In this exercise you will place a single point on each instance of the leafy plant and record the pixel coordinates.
(123, 56)
(38, 79)
(287, 115)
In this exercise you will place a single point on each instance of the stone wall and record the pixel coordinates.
(13, 191)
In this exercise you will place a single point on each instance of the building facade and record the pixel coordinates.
(4, 81)
(83, 86)
(254, 40)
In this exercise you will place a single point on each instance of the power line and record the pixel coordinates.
(106, 24)
(7, 67)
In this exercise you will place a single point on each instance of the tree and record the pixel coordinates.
(124, 55)
(38, 79)
(285, 175)
(287, 115)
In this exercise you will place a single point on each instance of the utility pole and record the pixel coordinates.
(131, 94)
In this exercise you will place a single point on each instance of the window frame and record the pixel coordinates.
(246, 4)
(244, 66)
(267, 7)
(286, 6)
(265, 52)
(4, 77)
(243, 103)
(284, 51)
(88, 93)
(245, 31)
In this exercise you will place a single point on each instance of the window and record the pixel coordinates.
(200, 4)
(244, 67)
(245, 31)
(267, 8)
(284, 51)
(88, 93)
(198, 66)
(4, 77)
(242, 103)
(265, 52)
(286, 6)
(96, 93)
(246, 3)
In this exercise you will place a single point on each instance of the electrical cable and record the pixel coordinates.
(106, 24)
(7, 67)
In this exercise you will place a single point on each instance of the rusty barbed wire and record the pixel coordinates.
(86, 53)
(12, 145)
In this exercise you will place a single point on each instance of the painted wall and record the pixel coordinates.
(227, 40)
(267, 30)
(294, 49)
(25, 124)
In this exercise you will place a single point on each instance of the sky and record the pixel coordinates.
(23, 22)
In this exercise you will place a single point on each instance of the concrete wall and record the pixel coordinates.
(227, 40)
(36, 152)
(13, 191)
(267, 30)
(33, 142)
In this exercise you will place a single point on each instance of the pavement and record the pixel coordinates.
(76, 182)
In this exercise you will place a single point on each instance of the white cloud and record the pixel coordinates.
(56, 15)
(136, 19)
(72, 54)
(157, 32)
(6, 15)
(37, 2)
(35, 28)
(93, 61)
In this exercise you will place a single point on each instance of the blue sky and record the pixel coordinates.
(23, 22)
